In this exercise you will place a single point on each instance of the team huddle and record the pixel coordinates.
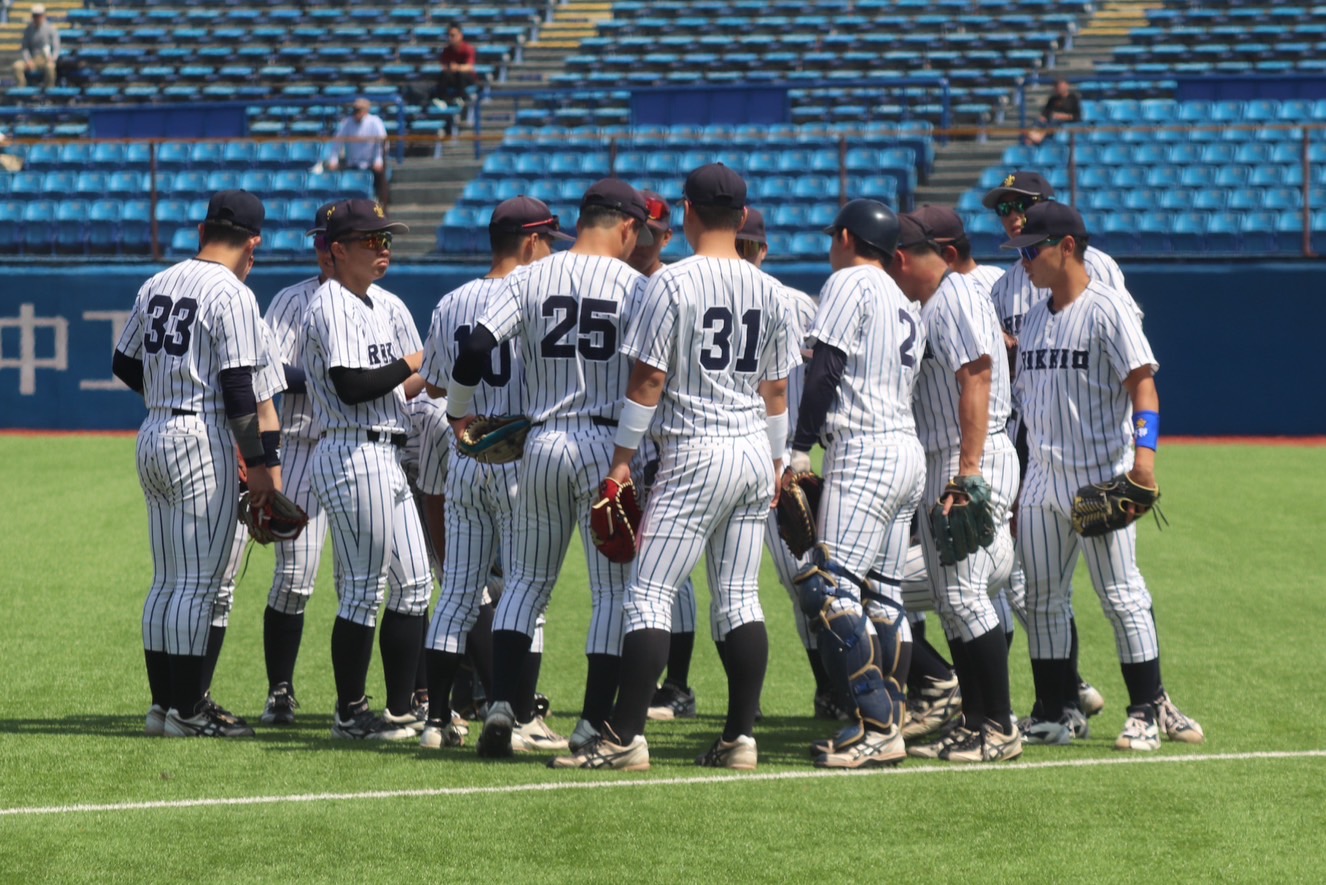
(980, 431)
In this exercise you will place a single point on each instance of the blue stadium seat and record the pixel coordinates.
(272, 153)
(108, 155)
(1222, 232)
(71, 219)
(126, 184)
(27, 183)
(1188, 232)
(221, 180)
(135, 229)
(289, 183)
(39, 227)
(258, 181)
(300, 211)
(91, 184)
(172, 155)
(103, 226)
(183, 243)
(185, 183)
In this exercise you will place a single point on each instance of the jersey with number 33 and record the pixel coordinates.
(864, 314)
(569, 310)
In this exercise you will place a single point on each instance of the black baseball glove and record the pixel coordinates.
(969, 524)
(1104, 507)
(280, 519)
(798, 502)
(495, 439)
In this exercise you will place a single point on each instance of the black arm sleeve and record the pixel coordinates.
(473, 356)
(294, 379)
(356, 386)
(128, 370)
(822, 378)
(237, 391)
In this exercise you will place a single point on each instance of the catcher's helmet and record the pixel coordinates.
(870, 221)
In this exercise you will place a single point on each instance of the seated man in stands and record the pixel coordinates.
(39, 49)
(362, 139)
(1063, 106)
(458, 70)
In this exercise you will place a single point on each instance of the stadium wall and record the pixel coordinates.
(1234, 341)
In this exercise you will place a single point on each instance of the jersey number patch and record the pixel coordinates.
(717, 354)
(597, 338)
(492, 376)
(169, 325)
(905, 349)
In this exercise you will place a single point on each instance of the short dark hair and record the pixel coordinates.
(222, 233)
(869, 252)
(923, 247)
(457, 26)
(717, 217)
(1080, 247)
(602, 216)
(750, 249)
(505, 242)
(963, 247)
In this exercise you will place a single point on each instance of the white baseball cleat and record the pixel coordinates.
(874, 748)
(438, 734)
(604, 754)
(1089, 699)
(1140, 732)
(155, 725)
(534, 736)
(740, 754)
(1175, 725)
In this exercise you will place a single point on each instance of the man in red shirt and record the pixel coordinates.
(458, 69)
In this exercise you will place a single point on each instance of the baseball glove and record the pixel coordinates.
(969, 524)
(1104, 507)
(614, 520)
(798, 502)
(280, 519)
(495, 439)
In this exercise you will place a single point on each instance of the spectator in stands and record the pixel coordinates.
(1063, 106)
(8, 162)
(458, 70)
(40, 47)
(362, 139)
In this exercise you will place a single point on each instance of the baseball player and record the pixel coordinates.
(567, 312)
(1013, 295)
(674, 699)
(479, 498)
(753, 245)
(961, 406)
(356, 381)
(191, 346)
(297, 561)
(712, 345)
(857, 403)
(1088, 398)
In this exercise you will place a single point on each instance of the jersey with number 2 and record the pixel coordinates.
(864, 314)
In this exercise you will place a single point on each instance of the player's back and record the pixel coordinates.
(729, 326)
(865, 315)
(569, 310)
(453, 320)
(192, 321)
(984, 277)
(285, 317)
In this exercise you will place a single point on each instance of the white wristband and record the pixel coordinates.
(460, 397)
(777, 428)
(633, 422)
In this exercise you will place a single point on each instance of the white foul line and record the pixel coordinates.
(660, 782)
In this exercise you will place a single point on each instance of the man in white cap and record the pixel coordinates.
(38, 50)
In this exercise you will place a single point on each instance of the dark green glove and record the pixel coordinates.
(969, 524)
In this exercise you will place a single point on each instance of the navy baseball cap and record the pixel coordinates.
(526, 215)
(237, 208)
(1019, 184)
(320, 219)
(715, 185)
(613, 193)
(929, 224)
(1048, 221)
(361, 216)
(753, 228)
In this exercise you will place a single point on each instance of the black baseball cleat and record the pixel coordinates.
(495, 739)
(209, 720)
(281, 706)
(363, 725)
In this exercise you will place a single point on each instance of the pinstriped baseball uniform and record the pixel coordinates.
(268, 381)
(874, 466)
(961, 327)
(188, 323)
(567, 312)
(718, 327)
(358, 481)
(802, 314)
(1014, 295)
(1071, 365)
(479, 498)
(984, 277)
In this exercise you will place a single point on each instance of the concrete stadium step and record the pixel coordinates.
(423, 189)
(958, 167)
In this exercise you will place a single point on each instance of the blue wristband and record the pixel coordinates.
(1146, 428)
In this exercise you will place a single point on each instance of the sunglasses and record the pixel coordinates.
(550, 223)
(1029, 253)
(1005, 208)
(377, 241)
(657, 210)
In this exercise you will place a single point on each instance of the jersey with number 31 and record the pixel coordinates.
(864, 314)
(569, 310)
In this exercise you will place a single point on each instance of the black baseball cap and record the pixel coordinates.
(320, 219)
(1021, 183)
(929, 224)
(715, 185)
(613, 193)
(360, 216)
(237, 208)
(660, 213)
(526, 215)
(1048, 221)
(753, 228)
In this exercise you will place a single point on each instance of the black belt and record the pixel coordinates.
(596, 420)
(182, 413)
(396, 439)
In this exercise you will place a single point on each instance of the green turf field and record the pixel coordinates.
(1239, 599)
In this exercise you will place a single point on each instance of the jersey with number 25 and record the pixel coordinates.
(864, 314)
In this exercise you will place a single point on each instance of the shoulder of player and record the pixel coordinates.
(1108, 301)
(1096, 258)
